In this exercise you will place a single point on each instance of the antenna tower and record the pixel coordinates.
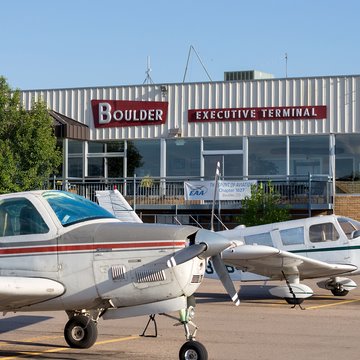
(202, 64)
(148, 79)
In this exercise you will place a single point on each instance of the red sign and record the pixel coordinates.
(118, 113)
(265, 113)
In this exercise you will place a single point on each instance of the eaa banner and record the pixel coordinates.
(227, 190)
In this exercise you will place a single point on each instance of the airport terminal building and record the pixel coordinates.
(303, 134)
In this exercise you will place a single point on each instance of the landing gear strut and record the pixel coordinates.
(292, 300)
(192, 349)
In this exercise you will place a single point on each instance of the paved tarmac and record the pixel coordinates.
(262, 327)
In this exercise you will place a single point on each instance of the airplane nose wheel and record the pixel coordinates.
(193, 350)
(80, 332)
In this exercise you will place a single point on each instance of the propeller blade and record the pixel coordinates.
(224, 277)
(186, 254)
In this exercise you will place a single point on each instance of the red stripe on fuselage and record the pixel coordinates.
(92, 247)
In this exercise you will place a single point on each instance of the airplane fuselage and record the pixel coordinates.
(99, 263)
(329, 239)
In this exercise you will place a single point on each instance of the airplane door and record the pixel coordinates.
(28, 240)
(292, 239)
(326, 243)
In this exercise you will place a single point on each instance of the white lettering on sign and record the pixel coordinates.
(286, 113)
(124, 113)
(105, 114)
(269, 113)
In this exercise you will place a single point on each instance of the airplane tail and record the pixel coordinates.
(116, 204)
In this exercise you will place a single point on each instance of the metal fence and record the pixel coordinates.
(293, 190)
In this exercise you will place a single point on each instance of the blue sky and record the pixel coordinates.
(79, 43)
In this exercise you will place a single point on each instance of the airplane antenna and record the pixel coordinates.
(217, 174)
(148, 79)
(202, 64)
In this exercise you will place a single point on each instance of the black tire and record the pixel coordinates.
(80, 332)
(294, 301)
(193, 350)
(337, 292)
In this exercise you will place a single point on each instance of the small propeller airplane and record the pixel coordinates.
(316, 247)
(60, 251)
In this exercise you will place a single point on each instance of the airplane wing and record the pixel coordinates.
(272, 262)
(17, 292)
(116, 204)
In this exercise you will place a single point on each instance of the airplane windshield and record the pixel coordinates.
(350, 227)
(71, 208)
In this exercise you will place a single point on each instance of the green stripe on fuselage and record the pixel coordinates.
(337, 248)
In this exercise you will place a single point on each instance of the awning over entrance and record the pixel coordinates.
(68, 128)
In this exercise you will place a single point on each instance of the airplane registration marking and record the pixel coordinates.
(63, 348)
(93, 247)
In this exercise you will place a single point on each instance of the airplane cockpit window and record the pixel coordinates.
(259, 239)
(18, 216)
(292, 236)
(350, 227)
(71, 208)
(323, 232)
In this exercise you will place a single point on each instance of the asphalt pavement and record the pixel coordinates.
(262, 327)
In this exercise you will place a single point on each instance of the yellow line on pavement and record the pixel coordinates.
(59, 349)
(132, 337)
(38, 338)
(332, 304)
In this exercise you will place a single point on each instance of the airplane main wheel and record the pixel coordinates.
(80, 332)
(193, 350)
(338, 292)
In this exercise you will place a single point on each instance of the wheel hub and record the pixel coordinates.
(78, 333)
(191, 355)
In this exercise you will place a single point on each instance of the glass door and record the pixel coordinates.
(231, 165)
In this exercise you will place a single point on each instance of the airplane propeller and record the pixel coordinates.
(225, 279)
(186, 254)
(208, 245)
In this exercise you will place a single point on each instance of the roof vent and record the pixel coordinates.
(246, 75)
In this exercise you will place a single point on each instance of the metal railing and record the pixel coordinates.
(293, 190)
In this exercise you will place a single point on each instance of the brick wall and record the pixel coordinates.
(348, 205)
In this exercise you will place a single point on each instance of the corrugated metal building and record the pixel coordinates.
(257, 128)
(338, 94)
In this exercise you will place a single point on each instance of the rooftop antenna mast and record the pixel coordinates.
(202, 64)
(148, 79)
(286, 65)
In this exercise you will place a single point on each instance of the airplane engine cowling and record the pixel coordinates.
(300, 291)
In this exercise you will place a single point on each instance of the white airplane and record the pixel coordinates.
(324, 247)
(59, 251)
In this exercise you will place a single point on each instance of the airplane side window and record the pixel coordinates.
(5, 224)
(293, 236)
(323, 232)
(350, 227)
(19, 217)
(259, 239)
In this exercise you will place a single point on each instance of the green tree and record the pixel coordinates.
(28, 151)
(263, 207)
